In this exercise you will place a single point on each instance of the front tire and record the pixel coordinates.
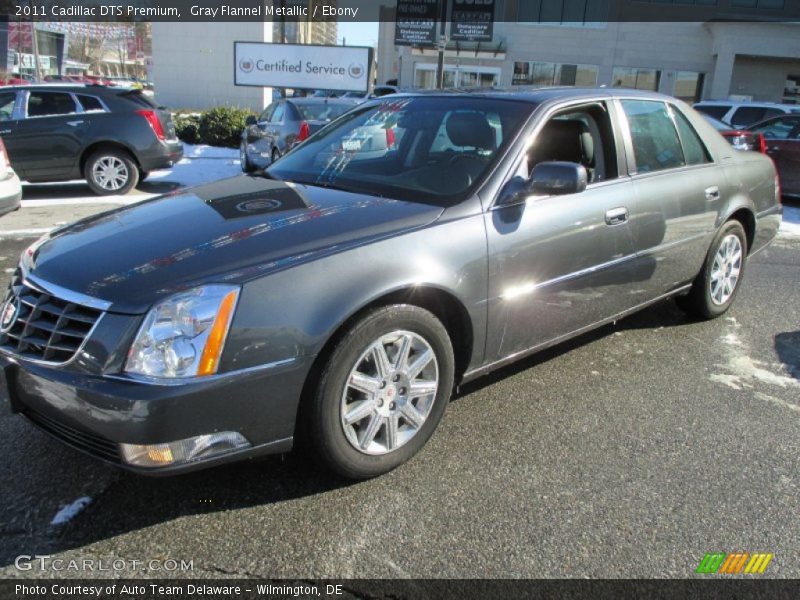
(382, 391)
(715, 288)
(243, 158)
(111, 171)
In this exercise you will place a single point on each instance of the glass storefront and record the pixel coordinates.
(689, 86)
(456, 77)
(637, 79)
(547, 73)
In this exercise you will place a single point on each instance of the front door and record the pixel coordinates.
(559, 264)
(47, 142)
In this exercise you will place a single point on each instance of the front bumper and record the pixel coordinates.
(96, 413)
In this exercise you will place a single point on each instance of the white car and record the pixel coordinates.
(744, 114)
(10, 187)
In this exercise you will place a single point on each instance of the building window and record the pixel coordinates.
(696, 2)
(637, 79)
(547, 73)
(774, 4)
(791, 92)
(689, 86)
(576, 13)
(455, 77)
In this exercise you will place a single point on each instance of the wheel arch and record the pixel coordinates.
(444, 305)
(747, 218)
(100, 144)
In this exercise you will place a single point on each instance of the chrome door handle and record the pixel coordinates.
(616, 216)
(775, 148)
(5, 131)
(712, 193)
(74, 123)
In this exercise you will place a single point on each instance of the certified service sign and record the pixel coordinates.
(301, 66)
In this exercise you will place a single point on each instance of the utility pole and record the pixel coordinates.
(35, 44)
(442, 45)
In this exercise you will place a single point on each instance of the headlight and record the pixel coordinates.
(183, 336)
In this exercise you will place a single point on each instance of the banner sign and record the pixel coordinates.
(472, 20)
(415, 23)
(302, 66)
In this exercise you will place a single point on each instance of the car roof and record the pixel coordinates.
(320, 100)
(737, 103)
(539, 95)
(77, 88)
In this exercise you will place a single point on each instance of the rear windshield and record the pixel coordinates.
(715, 111)
(322, 112)
(137, 97)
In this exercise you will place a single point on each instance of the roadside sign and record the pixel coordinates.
(302, 66)
(415, 22)
(472, 20)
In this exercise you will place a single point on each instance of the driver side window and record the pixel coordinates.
(580, 135)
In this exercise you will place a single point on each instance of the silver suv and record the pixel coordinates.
(744, 114)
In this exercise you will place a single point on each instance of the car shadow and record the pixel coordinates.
(81, 190)
(133, 502)
(130, 502)
(662, 314)
(787, 345)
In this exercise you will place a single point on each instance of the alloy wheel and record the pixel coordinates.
(389, 393)
(110, 173)
(726, 269)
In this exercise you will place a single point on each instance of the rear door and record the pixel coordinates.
(49, 139)
(678, 193)
(782, 136)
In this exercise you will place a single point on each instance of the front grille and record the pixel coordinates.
(87, 442)
(45, 327)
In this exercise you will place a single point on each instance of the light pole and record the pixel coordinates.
(442, 45)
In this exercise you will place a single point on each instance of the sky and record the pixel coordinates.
(358, 34)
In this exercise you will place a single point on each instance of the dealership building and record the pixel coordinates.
(720, 49)
(193, 62)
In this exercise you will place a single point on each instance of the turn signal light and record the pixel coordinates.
(209, 360)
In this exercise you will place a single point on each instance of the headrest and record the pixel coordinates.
(470, 129)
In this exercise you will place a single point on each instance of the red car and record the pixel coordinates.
(741, 139)
(782, 137)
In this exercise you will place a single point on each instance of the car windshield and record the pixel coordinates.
(428, 149)
(322, 111)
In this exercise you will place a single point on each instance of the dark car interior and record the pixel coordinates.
(581, 136)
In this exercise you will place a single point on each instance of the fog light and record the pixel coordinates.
(183, 451)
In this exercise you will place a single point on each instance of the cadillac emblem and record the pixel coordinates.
(9, 315)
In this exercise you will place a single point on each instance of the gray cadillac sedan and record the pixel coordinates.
(338, 297)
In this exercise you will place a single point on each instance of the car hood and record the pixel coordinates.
(231, 230)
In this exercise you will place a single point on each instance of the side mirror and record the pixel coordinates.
(558, 178)
(250, 120)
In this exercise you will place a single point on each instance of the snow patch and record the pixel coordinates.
(791, 221)
(70, 511)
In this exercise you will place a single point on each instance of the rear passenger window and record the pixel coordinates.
(90, 103)
(747, 115)
(656, 145)
(693, 148)
(718, 112)
(7, 100)
(47, 104)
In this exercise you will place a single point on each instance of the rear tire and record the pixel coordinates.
(368, 415)
(111, 171)
(715, 288)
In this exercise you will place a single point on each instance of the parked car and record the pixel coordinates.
(742, 114)
(346, 298)
(283, 124)
(782, 141)
(741, 139)
(112, 137)
(10, 186)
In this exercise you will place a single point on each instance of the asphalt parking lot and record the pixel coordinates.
(629, 452)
